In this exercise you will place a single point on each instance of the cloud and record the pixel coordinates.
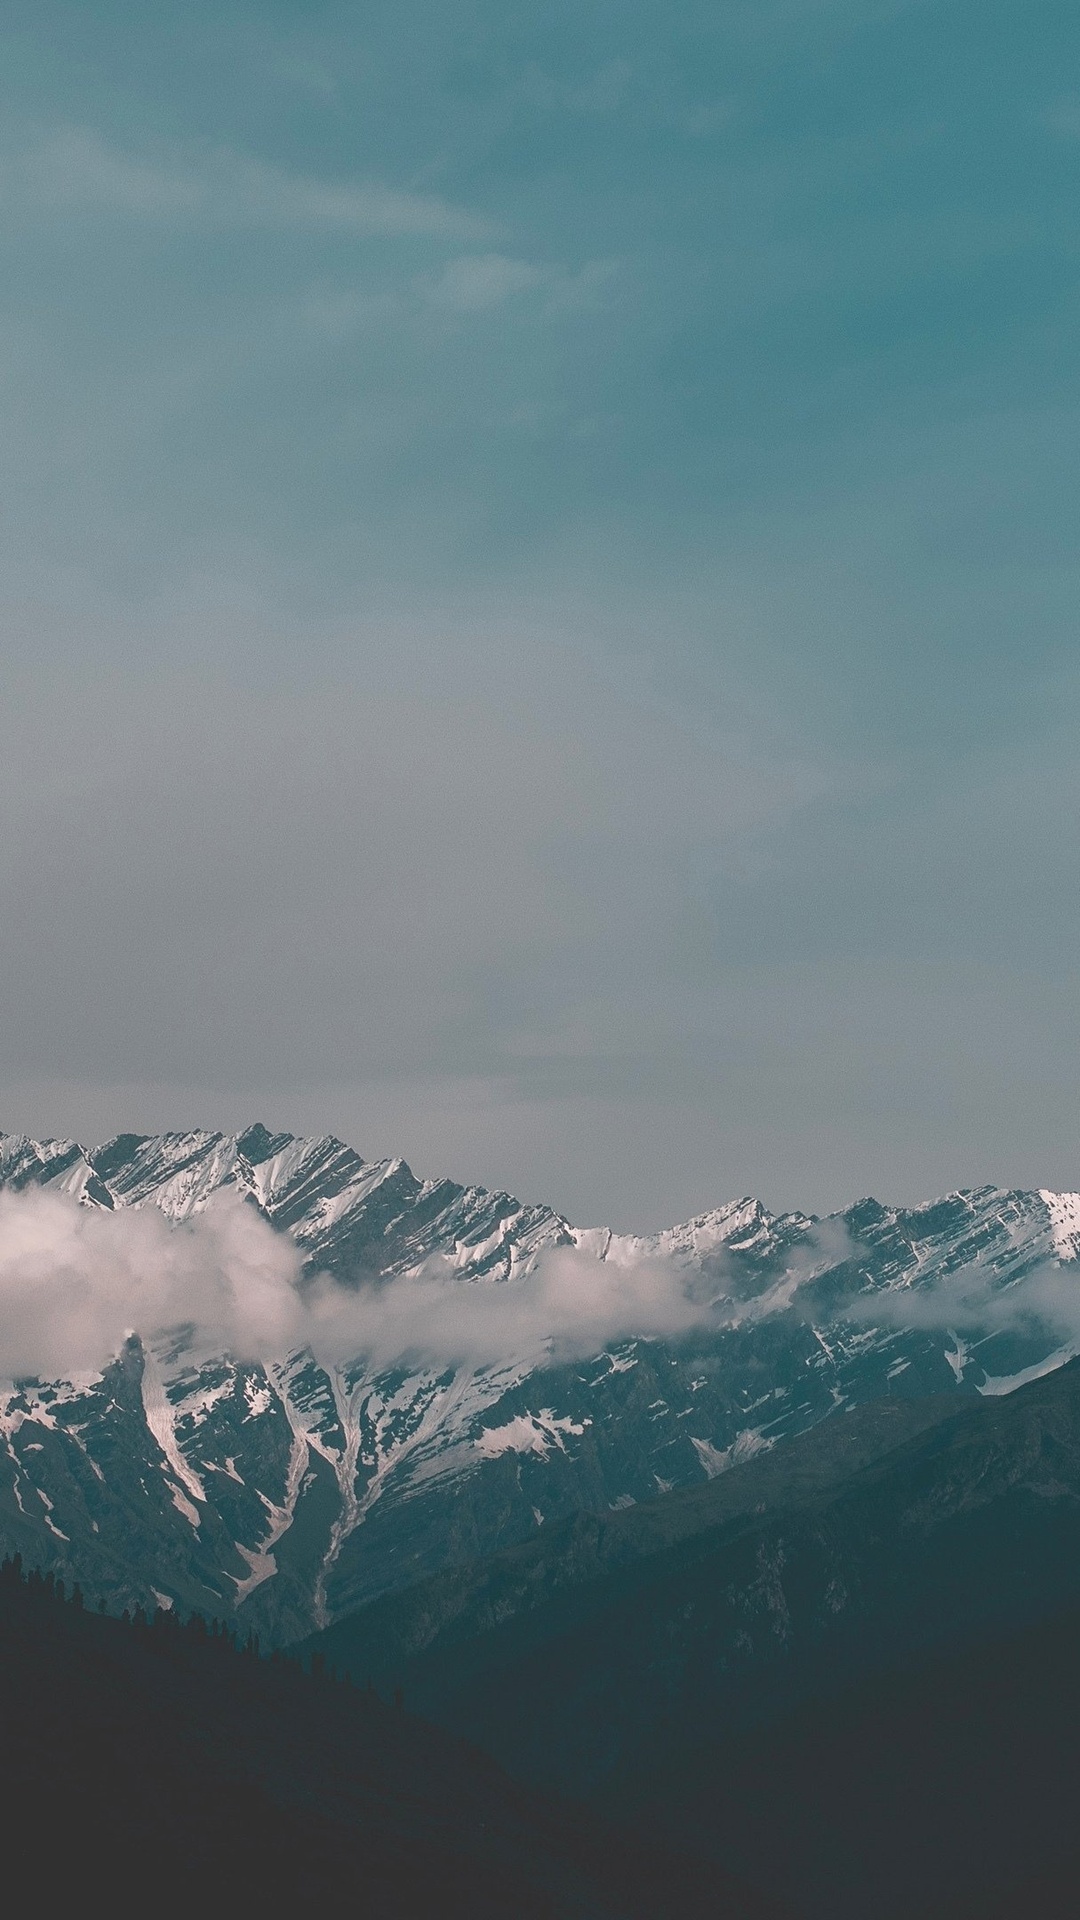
(74, 168)
(1063, 117)
(476, 282)
(75, 1282)
(570, 1305)
(1044, 1303)
(602, 93)
(335, 313)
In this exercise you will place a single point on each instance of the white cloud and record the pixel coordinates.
(476, 282)
(75, 1282)
(336, 312)
(1063, 117)
(568, 1306)
(1045, 1303)
(73, 167)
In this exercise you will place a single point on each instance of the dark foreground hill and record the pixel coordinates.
(943, 1788)
(864, 1686)
(156, 1766)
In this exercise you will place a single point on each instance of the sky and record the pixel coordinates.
(538, 578)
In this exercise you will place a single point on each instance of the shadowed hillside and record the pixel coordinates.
(837, 1683)
(163, 1761)
(575, 1566)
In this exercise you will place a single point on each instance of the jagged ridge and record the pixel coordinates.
(294, 1492)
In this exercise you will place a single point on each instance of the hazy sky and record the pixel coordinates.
(539, 587)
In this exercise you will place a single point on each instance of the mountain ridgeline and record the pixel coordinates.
(290, 1492)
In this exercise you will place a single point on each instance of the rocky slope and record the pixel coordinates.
(860, 1683)
(600, 1672)
(294, 1492)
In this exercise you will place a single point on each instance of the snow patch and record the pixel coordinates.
(528, 1433)
(958, 1357)
(261, 1566)
(1064, 1211)
(751, 1441)
(183, 1505)
(161, 1420)
(258, 1397)
(996, 1384)
(620, 1362)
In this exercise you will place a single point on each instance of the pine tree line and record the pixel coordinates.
(166, 1627)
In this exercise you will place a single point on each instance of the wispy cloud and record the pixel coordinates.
(602, 92)
(1063, 117)
(75, 168)
(477, 282)
(474, 282)
(1045, 1303)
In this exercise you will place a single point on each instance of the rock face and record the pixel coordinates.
(293, 1492)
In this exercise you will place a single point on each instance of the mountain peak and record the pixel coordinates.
(257, 1143)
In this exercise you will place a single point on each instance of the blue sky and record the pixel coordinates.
(539, 585)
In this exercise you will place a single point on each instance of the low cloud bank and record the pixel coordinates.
(75, 1282)
(570, 1305)
(1046, 1302)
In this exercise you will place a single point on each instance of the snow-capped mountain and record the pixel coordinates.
(295, 1491)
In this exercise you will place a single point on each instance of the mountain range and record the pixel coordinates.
(290, 1492)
